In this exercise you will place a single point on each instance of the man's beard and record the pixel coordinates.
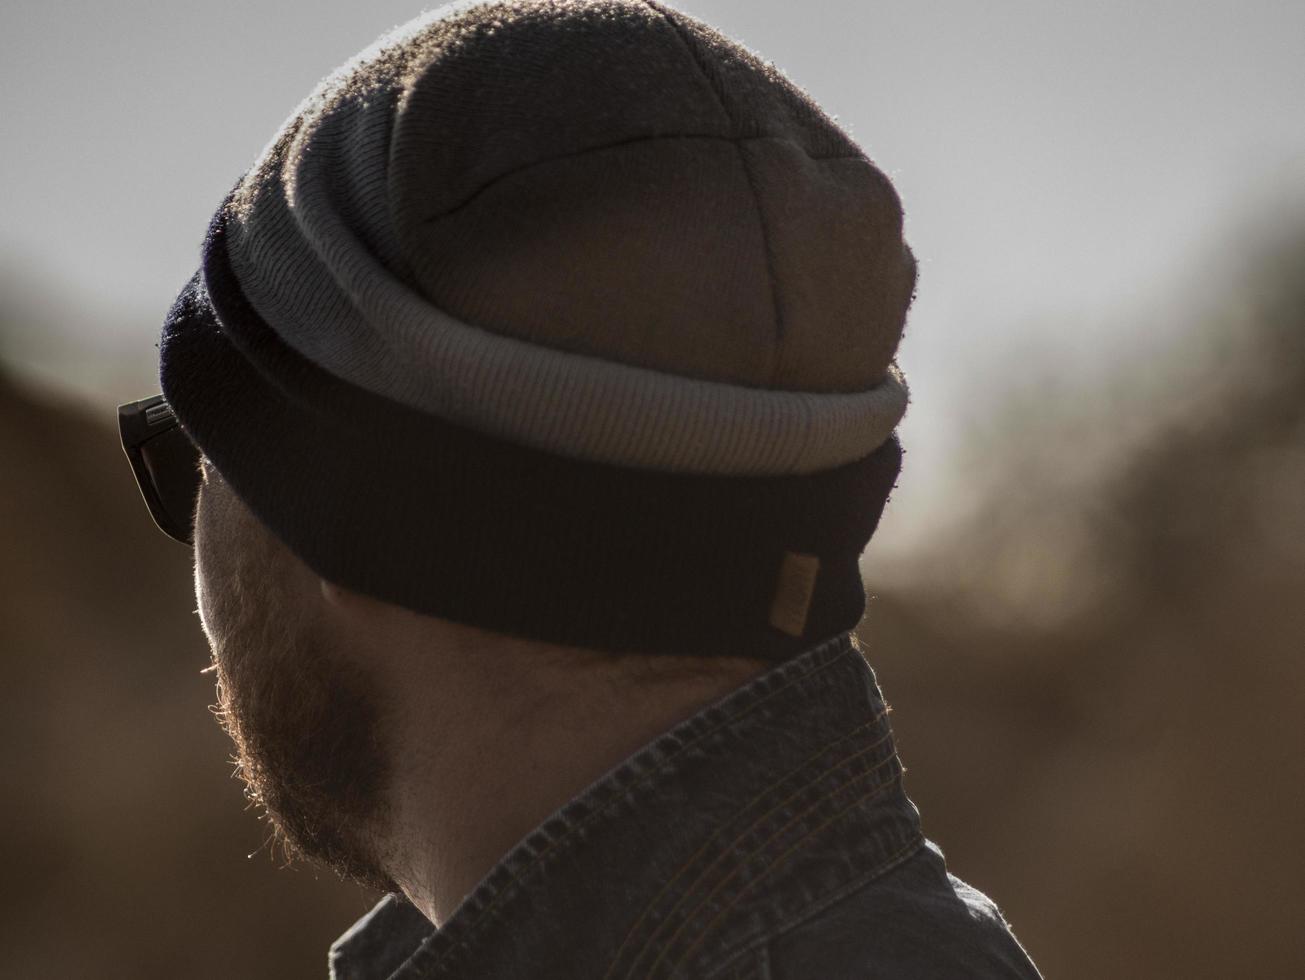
(307, 730)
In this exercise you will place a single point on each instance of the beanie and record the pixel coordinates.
(572, 320)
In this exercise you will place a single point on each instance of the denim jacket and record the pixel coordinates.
(765, 838)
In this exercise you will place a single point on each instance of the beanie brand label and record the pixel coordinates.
(793, 591)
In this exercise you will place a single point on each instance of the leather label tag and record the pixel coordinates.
(793, 591)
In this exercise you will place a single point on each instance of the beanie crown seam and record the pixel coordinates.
(768, 257)
(697, 62)
(631, 141)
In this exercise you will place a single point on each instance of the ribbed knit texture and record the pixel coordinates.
(571, 320)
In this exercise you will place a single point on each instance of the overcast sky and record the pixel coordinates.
(1063, 165)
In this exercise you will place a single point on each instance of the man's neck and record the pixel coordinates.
(495, 752)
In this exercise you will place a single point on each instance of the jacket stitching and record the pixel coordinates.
(876, 790)
(715, 837)
(752, 962)
(758, 822)
(850, 887)
(909, 848)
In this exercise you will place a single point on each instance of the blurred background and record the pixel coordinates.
(1086, 590)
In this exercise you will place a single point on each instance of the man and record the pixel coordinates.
(542, 370)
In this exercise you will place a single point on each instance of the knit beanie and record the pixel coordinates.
(573, 320)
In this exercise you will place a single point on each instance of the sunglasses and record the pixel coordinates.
(166, 464)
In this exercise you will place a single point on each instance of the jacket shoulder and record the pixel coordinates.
(916, 921)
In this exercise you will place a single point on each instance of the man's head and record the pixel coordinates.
(562, 329)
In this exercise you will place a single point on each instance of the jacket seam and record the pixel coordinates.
(860, 799)
(797, 771)
(841, 893)
(762, 824)
(750, 962)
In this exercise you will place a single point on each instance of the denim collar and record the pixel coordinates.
(735, 824)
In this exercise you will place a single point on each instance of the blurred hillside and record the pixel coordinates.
(1097, 685)
(123, 837)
